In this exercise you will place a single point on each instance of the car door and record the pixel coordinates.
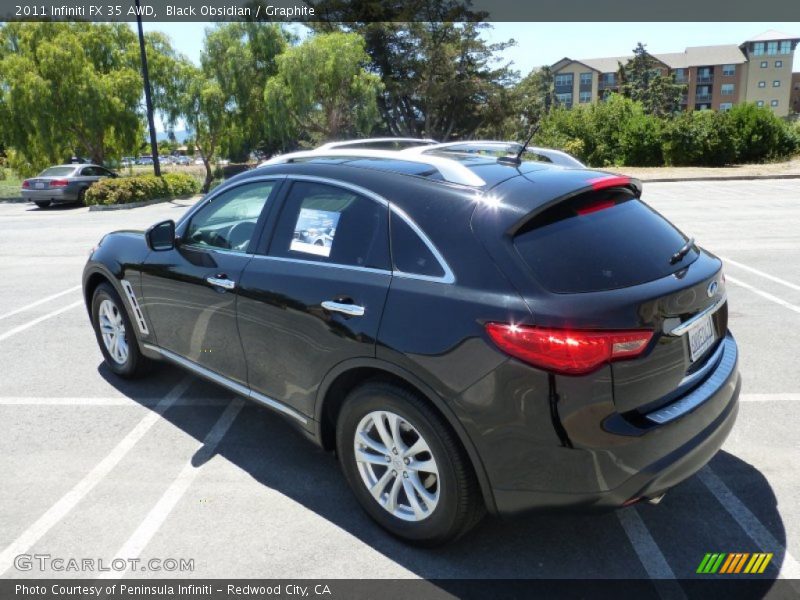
(314, 295)
(190, 292)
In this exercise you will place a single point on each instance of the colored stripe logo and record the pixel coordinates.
(734, 562)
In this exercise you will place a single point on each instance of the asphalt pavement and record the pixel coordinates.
(173, 467)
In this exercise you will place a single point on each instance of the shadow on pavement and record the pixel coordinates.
(688, 523)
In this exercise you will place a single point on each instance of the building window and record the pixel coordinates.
(585, 97)
(760, 104)
(610, 78)
(786, 47)
(563, 80)
(776, 83)
(778, 64)
(729, 70)
(762, 84)
(586, 79)
(772, 47)
(773, 103)
(727, 89)
(564, 99)
(758, 48)
(764, 64)
(681, 75)
(723, 106)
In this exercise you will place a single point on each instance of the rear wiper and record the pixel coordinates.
(678, 256)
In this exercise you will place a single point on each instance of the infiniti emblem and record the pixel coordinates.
(712, 288)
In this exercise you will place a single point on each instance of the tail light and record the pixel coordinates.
(59, 183)
(571, 352)
(26, 184)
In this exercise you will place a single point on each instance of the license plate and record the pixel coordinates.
(39, 185)
(701, 337)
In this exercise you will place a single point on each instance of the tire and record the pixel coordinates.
(42, 203)
(452, 504)
(108, 308)
(81, 201)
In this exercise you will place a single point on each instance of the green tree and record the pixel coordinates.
(241, 57)
(322, 91)
(68, 88)
(642, 79)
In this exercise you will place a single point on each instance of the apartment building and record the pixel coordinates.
(795, 97)
(716, 77)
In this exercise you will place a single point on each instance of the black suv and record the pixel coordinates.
(467, 333)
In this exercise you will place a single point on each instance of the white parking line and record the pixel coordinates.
(108, 401)
(159, 513)
(29, 324)
(650, 554)
(38, 302)
(788, 284)
(766, 542)
(68, 501)
(763, 294)
(769, 397)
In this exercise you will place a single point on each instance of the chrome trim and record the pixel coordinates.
(687, 325)
(137, 310)
(322, 264)
(349, 143)
(556, 157)
(227, 383)
(704, 391)
(711, 362)
(226, 284)
(351, 310)
(451, 170)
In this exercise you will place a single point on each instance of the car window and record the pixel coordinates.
(409, 253)
(57, 172)
(325, 223)
(90, 172)
(229, 220)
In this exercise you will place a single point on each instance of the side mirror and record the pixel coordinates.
(161, 236)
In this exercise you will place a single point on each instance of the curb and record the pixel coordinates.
(129, 205)
(12, 200)
(713, 178)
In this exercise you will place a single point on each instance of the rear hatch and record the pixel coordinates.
(601, 259)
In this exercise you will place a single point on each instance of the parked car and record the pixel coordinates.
(127, 161)
(480, 334)
(183, 160)
(63, 184)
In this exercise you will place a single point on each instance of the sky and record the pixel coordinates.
(546, 43)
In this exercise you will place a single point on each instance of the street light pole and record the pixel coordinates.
(147, 98)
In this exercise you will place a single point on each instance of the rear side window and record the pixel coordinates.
(409, 253)
(325, 223)
(600, 241)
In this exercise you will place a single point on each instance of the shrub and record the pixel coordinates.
(2, 173)
(703, 138)
(125, 190)
(760, 135)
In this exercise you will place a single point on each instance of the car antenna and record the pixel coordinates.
(517, 159)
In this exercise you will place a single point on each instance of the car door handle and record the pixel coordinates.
(351, 310)
(222, 282)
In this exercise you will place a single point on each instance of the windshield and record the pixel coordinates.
(57, 172)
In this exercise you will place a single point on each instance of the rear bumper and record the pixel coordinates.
(615, 459)
(54, 195)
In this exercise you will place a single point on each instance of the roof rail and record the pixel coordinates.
(377, 140)
(451, 170)
(557, 157)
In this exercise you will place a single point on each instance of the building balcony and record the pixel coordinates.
(702, 98)
(705, 78)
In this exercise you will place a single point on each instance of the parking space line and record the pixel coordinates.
(788, 284)
(766, 542)
(105, 401)
(29, 324)
(763, 294)
(650, 554)
(38, 302)
(769, 397)
(158, 514)
(68, 501)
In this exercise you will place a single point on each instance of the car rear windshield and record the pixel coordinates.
(600, 241)
(57, 172)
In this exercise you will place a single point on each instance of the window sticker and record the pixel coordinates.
(314, 231)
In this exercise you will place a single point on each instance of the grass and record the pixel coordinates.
(10, 185)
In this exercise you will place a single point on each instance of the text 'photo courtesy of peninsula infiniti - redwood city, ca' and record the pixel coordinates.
(468, 331)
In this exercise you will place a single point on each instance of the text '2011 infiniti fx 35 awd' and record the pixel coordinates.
(468, 333)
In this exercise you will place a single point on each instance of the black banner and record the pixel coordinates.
(410, 10)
